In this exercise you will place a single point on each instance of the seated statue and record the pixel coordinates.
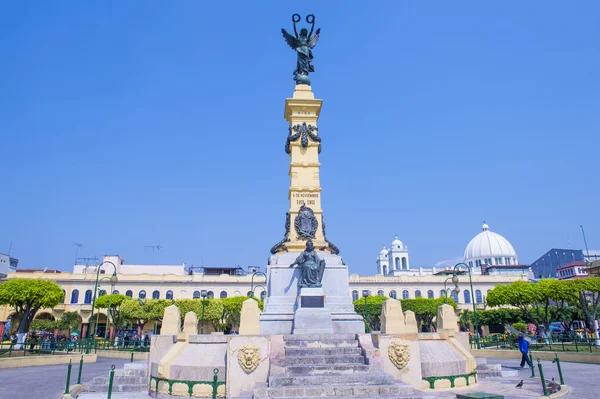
(311, 266)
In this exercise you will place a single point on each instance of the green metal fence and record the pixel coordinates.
(555, 342)
(214, 384)
(33, 347)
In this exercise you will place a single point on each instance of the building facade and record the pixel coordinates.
(547, 265)
(7, 264)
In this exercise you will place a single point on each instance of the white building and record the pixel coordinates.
(489, 249)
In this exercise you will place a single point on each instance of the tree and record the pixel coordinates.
(152, 309)
(42, 325)
(425, 309)
(587, 296)
(115, 301)
(541, 302)
(68, 321)
(232, 309)
(28, 296)
(374, 310)
(213, 310)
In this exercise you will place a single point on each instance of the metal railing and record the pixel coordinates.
(34, 347)
(553, 343)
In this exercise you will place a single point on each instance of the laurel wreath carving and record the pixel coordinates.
(302, 131)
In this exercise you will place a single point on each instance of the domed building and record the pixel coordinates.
(489, 252)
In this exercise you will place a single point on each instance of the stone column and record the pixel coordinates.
(84, 328)
(2, 324)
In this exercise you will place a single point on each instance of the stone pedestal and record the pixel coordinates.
(312, 315)
(282, 301)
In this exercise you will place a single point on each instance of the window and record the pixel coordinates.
(385, 270)
(500, 261)
(129, 293)
(64, 296)
(75, 296)
(478, 297)
(169, 294)
(210, 294)
(354, 295)
(467, 295)
(196, 295)
(88, 297)
(443, 294)
(418, 294)
(404, 264)
(156, 295)
(263, 295)
(249, 294)
(380, 293)
(115, 291)
(393, 294)
(405, 294)
(101, 293)
(223, 294)
(471, 264)
(430, 294)
(397, 264)
(455, 296)
(142, 294)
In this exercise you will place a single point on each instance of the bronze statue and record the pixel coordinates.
(311, 267)
(303, 44)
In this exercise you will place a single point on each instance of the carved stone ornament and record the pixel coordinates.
(399, 354)
(306, 223)
(334, 250)
(249, 357)
(305, 131)
(280, 246)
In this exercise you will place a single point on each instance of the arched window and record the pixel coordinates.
(142, 294)
(385, 270)
(354, 295)
(115, 291)
(467, 295)
(430, 294)
(455, 296)
(75, 296)
(418, 294)
(169, 294)
(249, 294)
(88, 297)
(101, 293)
(405, 294)
(393, 294)
(196, 294)
(443, 294)
(263, 295)
(210, 294)
(380, 293)
(155, 294)
(223, 294)
(397, 266)
(478, 297)
(404, 264)
(129, 293)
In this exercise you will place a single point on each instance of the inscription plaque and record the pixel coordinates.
(312, 301)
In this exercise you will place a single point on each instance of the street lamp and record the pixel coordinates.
(454, 279)
(113, 280)
(365, 294)
(456, 267)
(252, 282)
(114, 276)
(203, 294)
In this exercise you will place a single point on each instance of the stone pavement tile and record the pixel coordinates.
(115, 395)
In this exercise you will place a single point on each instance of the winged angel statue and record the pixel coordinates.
(302, 44)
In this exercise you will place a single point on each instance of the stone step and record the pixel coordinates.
(119, 388)
(120, 379)
(323, 343)
(322, 359)
(497, 374)
(339, 391)
(319, 337)
(490, 367)
(323, 351)
(315, 369)
(331, 379)
(136, 373)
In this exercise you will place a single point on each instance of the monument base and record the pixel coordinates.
(282, 302)
(312, 316)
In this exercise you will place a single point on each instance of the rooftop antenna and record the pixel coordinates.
(9, 248)
(157, 247)
(585, 241)
(79, 246)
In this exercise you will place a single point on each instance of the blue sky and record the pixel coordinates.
(128, 124)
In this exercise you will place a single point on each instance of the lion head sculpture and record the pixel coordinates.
(399, 354)
(249, 357)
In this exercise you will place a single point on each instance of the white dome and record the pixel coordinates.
(488, 244)
(396, 243)
(384, 251)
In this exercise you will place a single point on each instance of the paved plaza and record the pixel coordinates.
(47, 382)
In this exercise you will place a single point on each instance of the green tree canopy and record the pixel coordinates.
(152, 309)
(68, 321)
(28, 296)
(586, 295)
(115, 301)
(42, 325)
(232, 309)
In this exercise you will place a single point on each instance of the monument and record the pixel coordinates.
(320, 301)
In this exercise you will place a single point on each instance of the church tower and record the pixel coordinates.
(398, 256)
(383, 262)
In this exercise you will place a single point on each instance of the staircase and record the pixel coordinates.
(133, 378)
(329, 366)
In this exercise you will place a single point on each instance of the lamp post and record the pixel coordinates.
(365, 294)
(454, 279)
(457, 267)
(113, 280)
(114, 275)
(203, 294)
(252, 282)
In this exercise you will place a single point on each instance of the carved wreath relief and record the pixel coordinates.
(399, 354)
(249, 357)
(306, 223)
(302, 132)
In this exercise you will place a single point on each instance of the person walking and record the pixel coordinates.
(524, 348)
